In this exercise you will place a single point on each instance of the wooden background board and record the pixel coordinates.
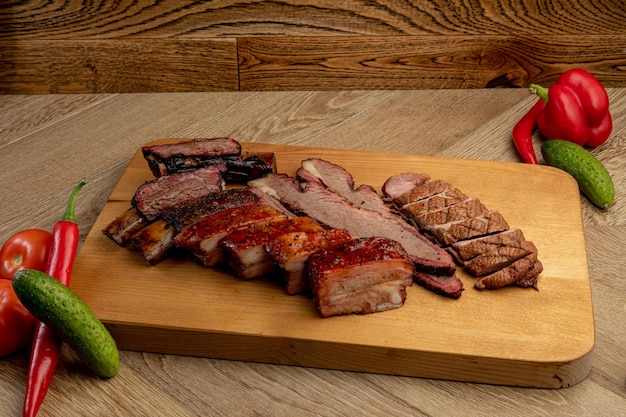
(75, 46)
(511, 336)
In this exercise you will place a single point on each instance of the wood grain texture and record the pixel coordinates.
(117, 66)
(423, 62)
(146, 46)
(49, 141)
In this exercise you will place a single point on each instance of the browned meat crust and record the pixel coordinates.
(360, 276)
(168, 159)
(290, 252)
(152, 197)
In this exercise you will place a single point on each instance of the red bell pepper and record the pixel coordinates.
(46, 344)
(577, 109)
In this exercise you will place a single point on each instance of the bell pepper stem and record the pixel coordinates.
(70, 210)
(540, 91)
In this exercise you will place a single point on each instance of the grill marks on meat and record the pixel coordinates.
(478, 238)
(363, 275)
(290, 252)
(332, 210)
(152, 197)
(244, 249)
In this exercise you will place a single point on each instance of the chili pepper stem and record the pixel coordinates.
(540, 91)
(70, 210)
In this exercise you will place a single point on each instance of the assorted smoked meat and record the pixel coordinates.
(316, 231)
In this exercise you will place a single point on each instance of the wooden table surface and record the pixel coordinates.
(48, 142)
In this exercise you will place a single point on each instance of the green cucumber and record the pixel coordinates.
(592, 177)
(60, 308)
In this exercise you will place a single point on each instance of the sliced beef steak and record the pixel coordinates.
(168, 159)
(365, 275)
(290, 252)
(152, 197)
(340, 181)
(333, 211)
(244, 249)
(439, 201)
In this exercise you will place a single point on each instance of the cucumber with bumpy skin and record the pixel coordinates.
(592, 177)
(60, 308)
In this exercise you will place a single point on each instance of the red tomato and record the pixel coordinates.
(25, 249)
(16, 323)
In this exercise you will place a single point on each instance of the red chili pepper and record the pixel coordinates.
(46, 344)
(523, 130)
(577, 109)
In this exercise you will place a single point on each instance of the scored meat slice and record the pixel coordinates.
(332, 210)
(435, 202)
(152, 197)
(362, 276)
(168, 159)
(448, 233)
(201, 238)
(468, 208)
(123, 227)
(498, 258)
(340, 181)
(522, 272)
(244, 249)
(486, 254)
(290, 252)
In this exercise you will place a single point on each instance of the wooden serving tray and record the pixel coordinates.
(510, 336)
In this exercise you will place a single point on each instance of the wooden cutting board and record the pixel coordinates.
(510, 336)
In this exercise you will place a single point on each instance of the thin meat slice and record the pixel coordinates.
(332, 210)
(362, 276)
(290, 252)
(340, 181)
(421, 191)
(449, 233)
(152, 197)
(522, 272)
(168, 159)
(202, 237)
(446, 285)
(123, 227)
(244, 249)
(399, 184)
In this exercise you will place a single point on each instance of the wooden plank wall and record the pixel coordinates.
(73, 46)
